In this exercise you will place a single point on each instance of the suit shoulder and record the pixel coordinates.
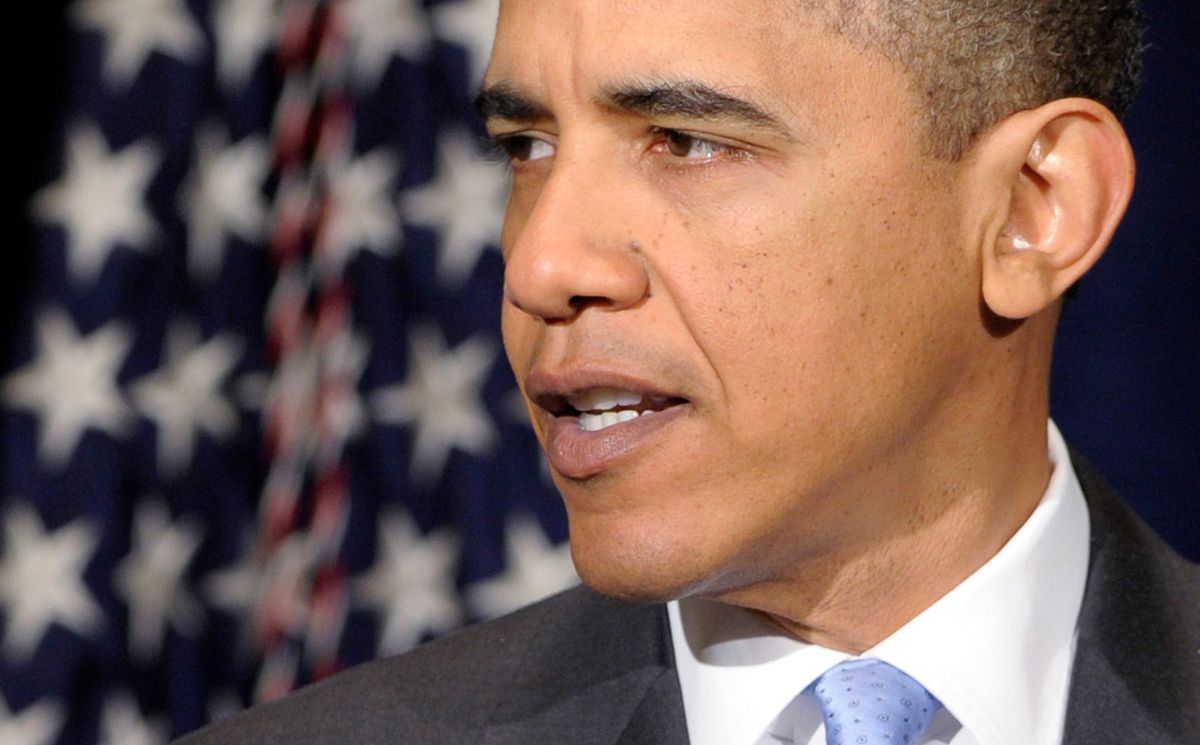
(1128, 552)
(449, 687)
(1138, 647)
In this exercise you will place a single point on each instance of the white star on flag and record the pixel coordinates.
(100, 201)
(362, 213)
(71, 384)
(183, 397)
(471, 23)
(380, 30)
(441, 397)
(136, 28)
(411, 583)
(151, 579)
(36, 724)
(244, 31)
(41, 580)
(123, 723)
(534, 569)
(464, 204)
(221, 197)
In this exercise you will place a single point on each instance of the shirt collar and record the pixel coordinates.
(996, 649)
(736, 672)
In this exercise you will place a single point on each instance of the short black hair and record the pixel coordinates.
(974, 62)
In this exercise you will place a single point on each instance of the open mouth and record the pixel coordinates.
(601, 408)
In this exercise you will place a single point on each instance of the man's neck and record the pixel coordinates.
(872, 582)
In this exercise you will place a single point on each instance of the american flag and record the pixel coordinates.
(256, 421)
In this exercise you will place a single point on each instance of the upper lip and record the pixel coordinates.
(549, 388)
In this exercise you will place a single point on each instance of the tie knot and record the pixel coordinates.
(869, 702)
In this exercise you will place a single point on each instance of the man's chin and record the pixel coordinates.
(633, 590)
(639, 581)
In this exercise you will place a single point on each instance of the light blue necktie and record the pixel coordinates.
(869, 702)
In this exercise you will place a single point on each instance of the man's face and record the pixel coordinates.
(723, 212)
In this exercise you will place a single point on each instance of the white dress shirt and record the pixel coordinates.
(996, 650)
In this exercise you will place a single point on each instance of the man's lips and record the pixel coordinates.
(593, 417)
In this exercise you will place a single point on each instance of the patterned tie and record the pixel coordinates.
(869, 702)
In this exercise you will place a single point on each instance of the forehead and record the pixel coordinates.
(651, 29)
(767, 50)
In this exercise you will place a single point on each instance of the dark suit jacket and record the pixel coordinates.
(585, 670)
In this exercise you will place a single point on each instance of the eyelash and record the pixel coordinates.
(669, 137)
(506, 148)
(496, 148)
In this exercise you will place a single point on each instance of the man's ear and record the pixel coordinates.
(1065, 174)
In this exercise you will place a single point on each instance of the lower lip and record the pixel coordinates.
(577, 454)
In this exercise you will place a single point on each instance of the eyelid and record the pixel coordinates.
(732, 150)
(499, 144)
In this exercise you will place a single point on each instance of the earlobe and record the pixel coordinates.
(1070, 174)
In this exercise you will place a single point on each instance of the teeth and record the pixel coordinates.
(602, 399)
(597, 422)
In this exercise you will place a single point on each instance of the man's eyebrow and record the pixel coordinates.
(501, 101)
(689, 99)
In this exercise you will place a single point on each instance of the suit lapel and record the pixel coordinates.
(624, 710)
(1137, 666)
(659, 719)
(608, 679)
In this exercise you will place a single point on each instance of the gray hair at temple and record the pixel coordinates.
(974, 62)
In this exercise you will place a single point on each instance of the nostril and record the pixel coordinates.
(580, 302)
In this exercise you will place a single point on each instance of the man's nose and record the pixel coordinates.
(574, 251)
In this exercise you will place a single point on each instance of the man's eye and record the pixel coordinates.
(524, 148)
(683, 145)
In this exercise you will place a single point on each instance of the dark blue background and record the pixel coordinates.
(1126, 380)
